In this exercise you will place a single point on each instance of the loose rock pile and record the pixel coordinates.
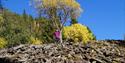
(93, 52)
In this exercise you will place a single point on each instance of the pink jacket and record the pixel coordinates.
(57, 34)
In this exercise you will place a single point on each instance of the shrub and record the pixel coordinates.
(15, 37)
(35, 41)
(3, 42)
(15, 29)
(78, 33)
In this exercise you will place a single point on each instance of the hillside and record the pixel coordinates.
(104, 51)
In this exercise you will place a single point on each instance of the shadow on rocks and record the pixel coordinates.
(7, 60)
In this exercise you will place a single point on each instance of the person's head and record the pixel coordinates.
(57, 30)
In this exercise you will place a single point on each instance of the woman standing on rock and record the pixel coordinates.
(57, 35)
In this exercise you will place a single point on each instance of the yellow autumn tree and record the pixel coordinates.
(78, 33)
(58, 11)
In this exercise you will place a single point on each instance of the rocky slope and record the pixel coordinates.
(110, 51)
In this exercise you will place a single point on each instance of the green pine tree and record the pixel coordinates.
(73, 21)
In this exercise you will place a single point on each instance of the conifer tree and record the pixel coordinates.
(1, 7)
(73, 21)
(24, 15)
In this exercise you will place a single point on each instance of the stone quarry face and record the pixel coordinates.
(68, 52)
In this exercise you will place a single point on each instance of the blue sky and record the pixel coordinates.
(105, 18)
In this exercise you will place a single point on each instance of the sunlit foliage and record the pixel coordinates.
(22, 29)
(35, 41)
(3, 42)
(60, 7)
(58, 11)
(78, 33)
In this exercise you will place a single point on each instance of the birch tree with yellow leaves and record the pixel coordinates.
(58, 11)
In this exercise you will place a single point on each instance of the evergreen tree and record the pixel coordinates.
(1, 7)
(124, 37)
(24, 15)
(73, 21)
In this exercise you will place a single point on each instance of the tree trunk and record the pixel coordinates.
(61, 36)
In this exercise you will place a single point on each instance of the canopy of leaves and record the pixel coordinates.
(61, 8)
(78, 33)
